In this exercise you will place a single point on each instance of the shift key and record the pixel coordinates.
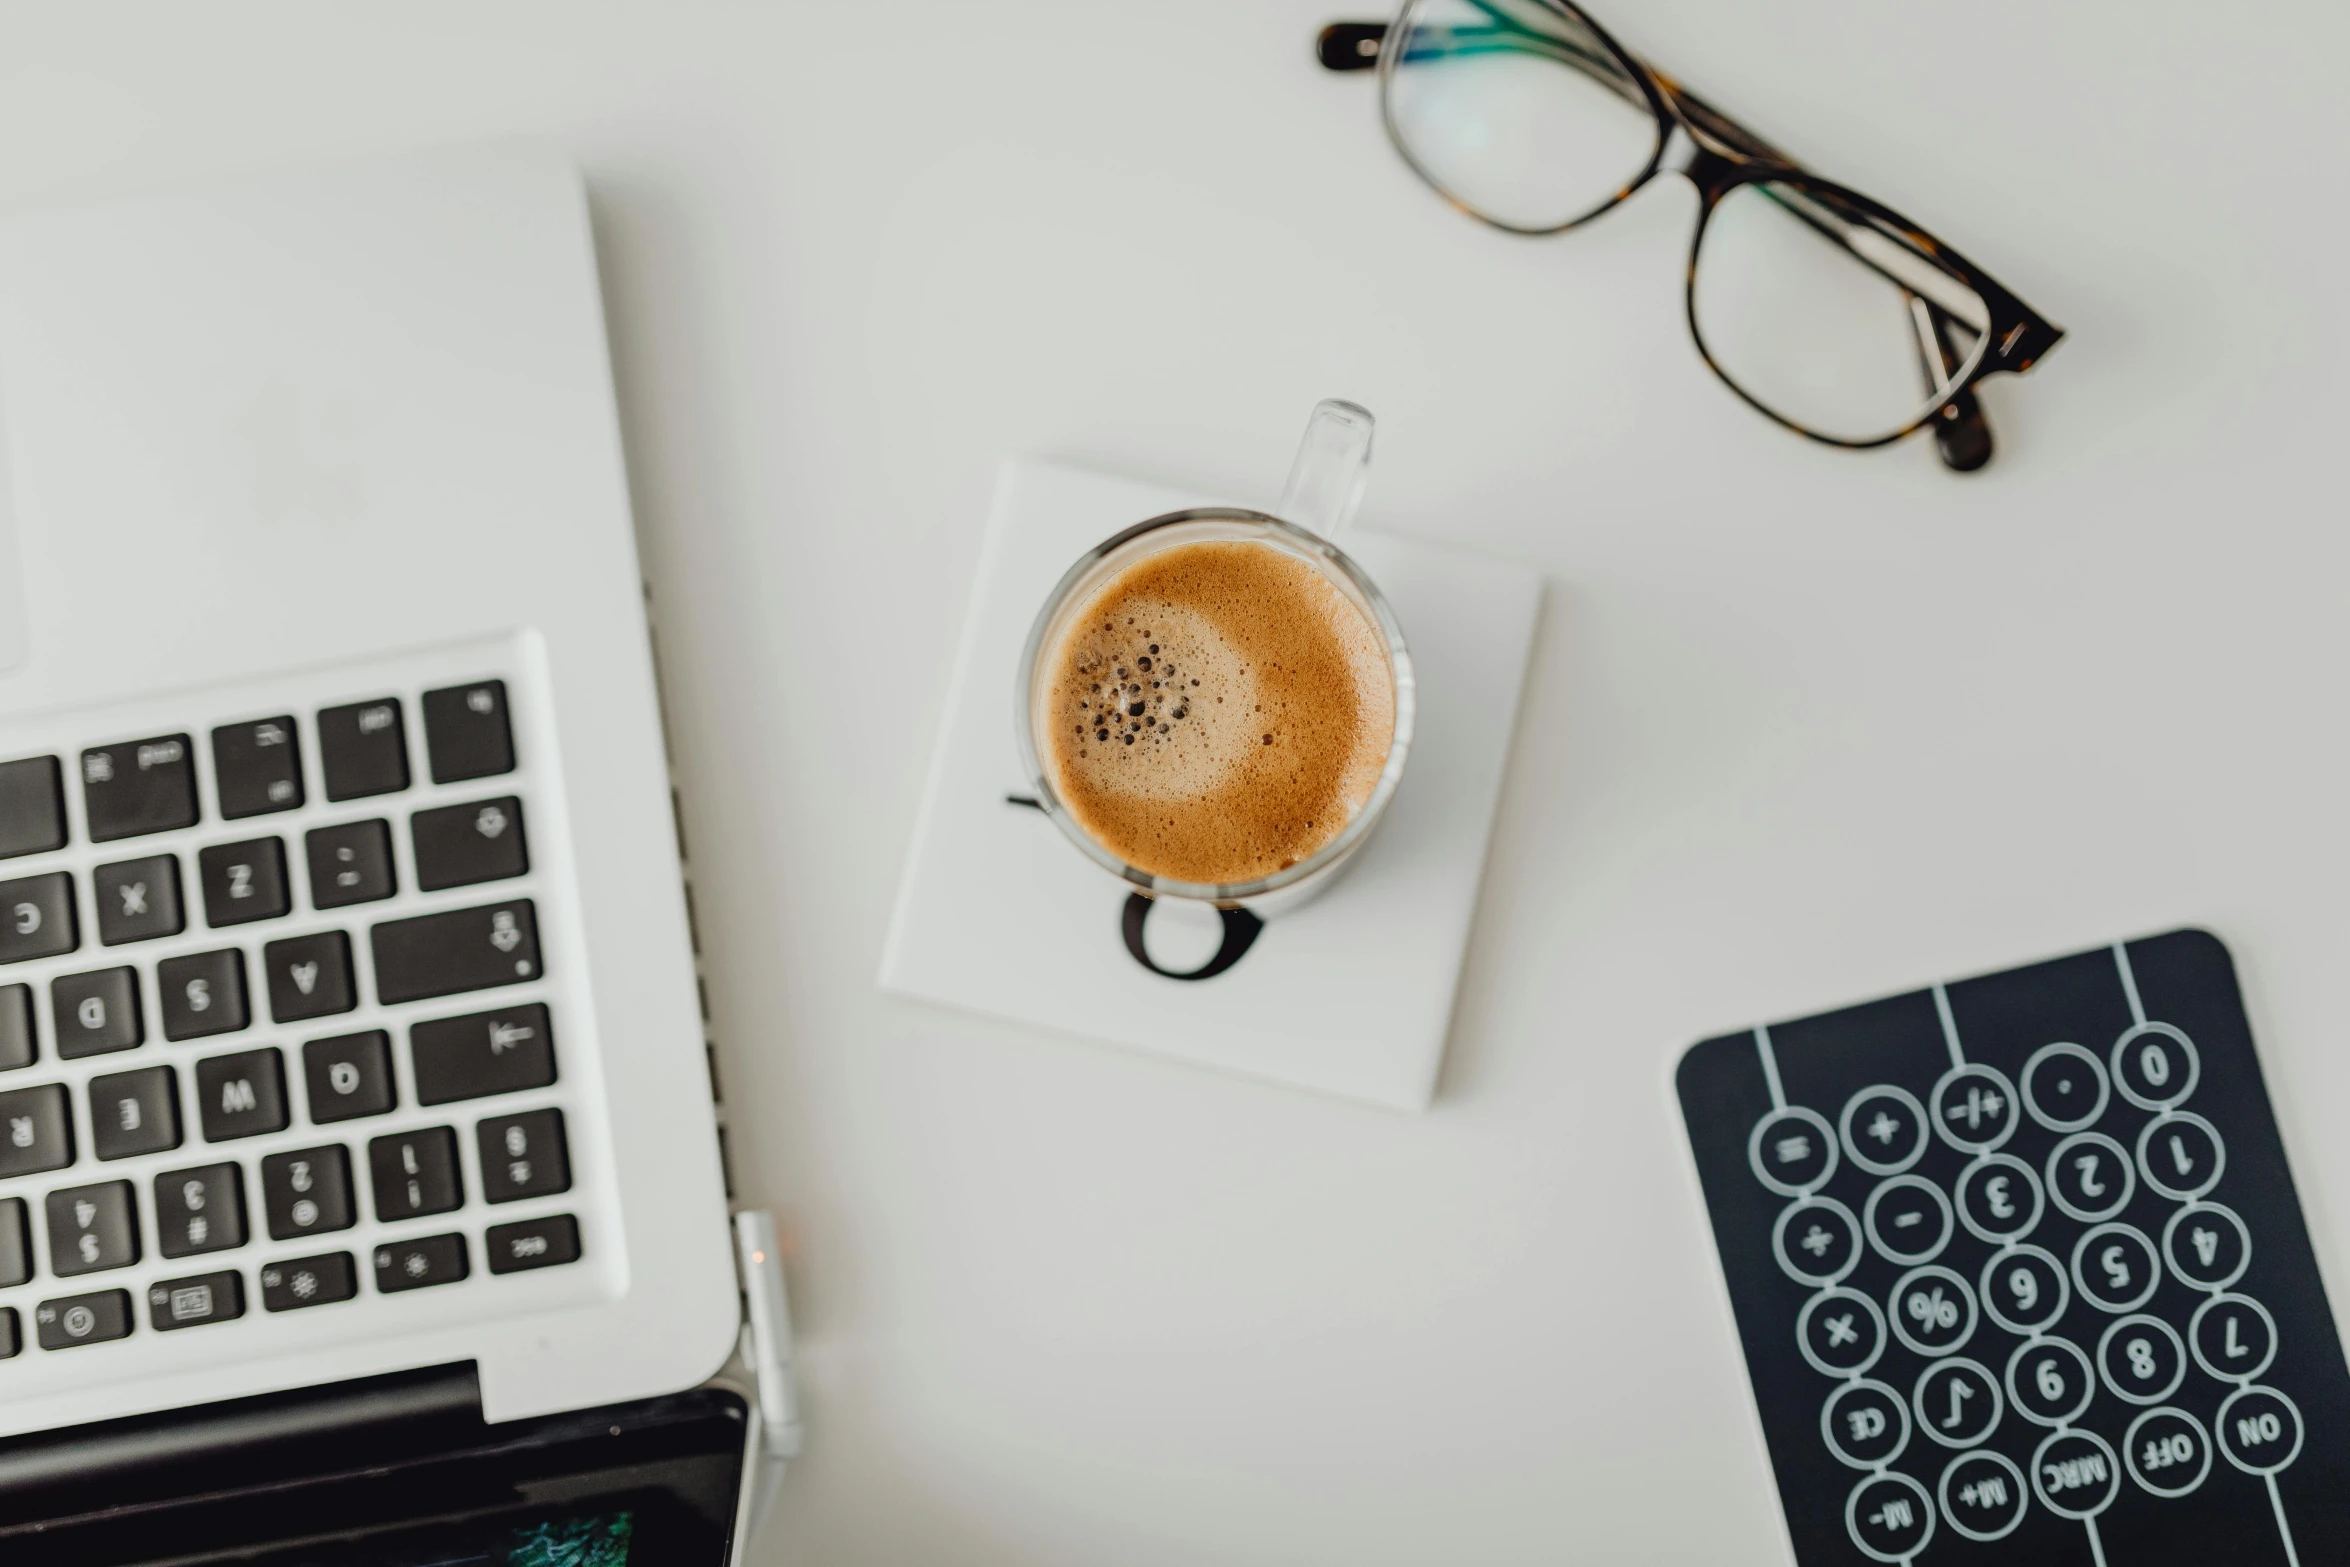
(485, 1053)
(465, 949)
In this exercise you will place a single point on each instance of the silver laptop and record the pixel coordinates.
(353, 1080)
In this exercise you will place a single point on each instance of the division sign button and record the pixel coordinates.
(1817, 1240)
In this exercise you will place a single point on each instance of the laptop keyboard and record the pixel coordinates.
(272, 1032)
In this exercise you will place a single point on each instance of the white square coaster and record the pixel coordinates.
(1352, 993)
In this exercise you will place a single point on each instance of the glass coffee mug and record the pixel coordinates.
(1325, 484)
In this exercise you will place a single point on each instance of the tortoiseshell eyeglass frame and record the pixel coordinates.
(1724, 156)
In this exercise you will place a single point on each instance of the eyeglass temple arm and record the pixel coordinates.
(1355, 46)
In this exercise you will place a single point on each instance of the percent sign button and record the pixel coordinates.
(1932, 1310)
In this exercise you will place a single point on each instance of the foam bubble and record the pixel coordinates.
(1218, 711)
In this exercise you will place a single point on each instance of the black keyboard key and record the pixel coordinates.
(349, 1076)
(200, 1210)
(351, 863)
(523, 1156)
(415, 1174)
(482, 1053)
(190, 1303)
(95, 1013)
(92, 1228)
(257, 767)
(458, 845)
(138, 900)
(11, 1334)
(32, 806)
(309, 976)
(36, 917)
(420, 1263)
(19, 1046)
(363, 749)
(16, 1242)
(132, 1113)
(466, 731)
(309, 1281)
(242, 1095)
(139, 787)
(203, 994)
(465, 949)
(307, 1192)
(36, 1130)
(244, 882)
(534, 1243)
(83, 1319)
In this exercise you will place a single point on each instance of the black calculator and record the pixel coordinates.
(2020, 1273)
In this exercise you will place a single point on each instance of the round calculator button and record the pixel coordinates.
(1957, 1402)
(2155, 1066)
(2233, 1337)
(2207, 1246)
(2024, 1289)
(2181, 1156)
(1884, 1129)
(2168, 1451)
(1841, 1332)
(2076, 1474)
(1907, 1219)
(2049, 1381)
(2259, 1429)
(1974, 1108)
(1890, 1517)
(1865, 1424)
(1983, 1494)
(2064, 1087)
(2090, 1177)
(1792, 1150)
(2000, 1199)
(1817, 1240)
(1932, 1310)
(2142, 1359)
(2115, 1268)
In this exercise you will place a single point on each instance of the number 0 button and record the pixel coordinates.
(2115, 1268)
(2155, 1066)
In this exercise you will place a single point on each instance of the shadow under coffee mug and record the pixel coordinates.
(1216, 704)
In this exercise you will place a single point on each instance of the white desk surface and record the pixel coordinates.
(1802, 726)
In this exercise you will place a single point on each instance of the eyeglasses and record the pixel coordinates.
(1827, 311)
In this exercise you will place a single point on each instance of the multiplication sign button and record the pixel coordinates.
(1841, 1332)
(1792, 1150)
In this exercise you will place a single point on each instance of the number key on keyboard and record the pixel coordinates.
(96, 1013)
(92, 1228)
(36, 917)
(307, 1192)
(420, 1263)
(458, 845)
(363, 748)
(138, 900)
(244, 882)
(32, 807)
(36, 1130)
(257, 767)
(466, 732)
(351, 863)
(139, 787)
(199, 1210)
(523, 1156)
(415, 1174)
(133, 1113)
(482, 1053)
(309, 976)
(190, 1303)
(465, 949)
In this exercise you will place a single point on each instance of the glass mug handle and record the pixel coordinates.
(1333, 463)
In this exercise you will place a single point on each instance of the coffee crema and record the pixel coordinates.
(1217, 712)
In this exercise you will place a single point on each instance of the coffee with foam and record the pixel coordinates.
(1217, 712)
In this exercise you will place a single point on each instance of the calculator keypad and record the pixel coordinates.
(256, 944)
(2036, 1283)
